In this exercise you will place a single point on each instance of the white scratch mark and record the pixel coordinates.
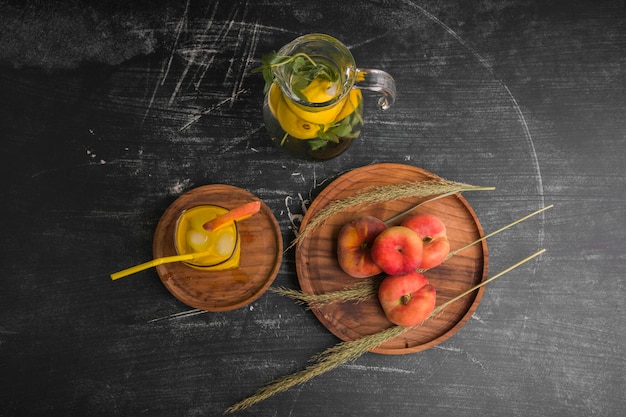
(238, 139)
(475, 361)
(449, 349)
(179, 29)
(165, 69)
(210, 110)
(179, 187)
(366, 41)
(204, 65)
(269, 324)
(224, 34)
(377, 369)
(180, 315)
(516, 106)
(292, 406)
(478, 319)
(190, 62)
(248, 57)
(5, 331)
(471, 358)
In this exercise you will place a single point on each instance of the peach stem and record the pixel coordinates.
(406, 298)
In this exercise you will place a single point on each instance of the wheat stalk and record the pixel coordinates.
(358, 292)
(328, 360)
(368, 287)
(348, 351)
(384, 193)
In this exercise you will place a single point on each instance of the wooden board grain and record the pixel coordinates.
(319, 271)
(261, 253)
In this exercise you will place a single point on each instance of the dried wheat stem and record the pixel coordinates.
(368, 287)
(495, 232)
(485, 282)
(328, 360)
(357, 292)
(348, 351)
(384, 193)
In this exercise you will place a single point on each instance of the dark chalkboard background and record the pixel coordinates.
(109, 111)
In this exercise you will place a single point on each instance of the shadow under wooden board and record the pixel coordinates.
(261, 253)
(319, 272)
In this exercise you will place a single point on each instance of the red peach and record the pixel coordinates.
(407, 300)
(354, 246)
(397, 250)
(433, 233)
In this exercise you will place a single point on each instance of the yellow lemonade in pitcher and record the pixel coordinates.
(313, 102)
(309, 132)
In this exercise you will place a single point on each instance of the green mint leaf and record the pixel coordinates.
(269, 79)
(298, 64)
(342, 129)
(316, 144)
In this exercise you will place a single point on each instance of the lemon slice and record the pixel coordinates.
(303, 123)
(351, 104)
(294, 125)
(274, 98)
(318, 91)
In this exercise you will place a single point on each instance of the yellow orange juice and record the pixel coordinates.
(222, 246)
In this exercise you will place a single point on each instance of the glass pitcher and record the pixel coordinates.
(313, 108)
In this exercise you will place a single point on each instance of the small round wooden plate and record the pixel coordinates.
(261, 253)
(319, 272)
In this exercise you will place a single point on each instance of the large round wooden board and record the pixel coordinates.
(261, 253)
(319, 272)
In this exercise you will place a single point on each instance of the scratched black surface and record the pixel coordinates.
(110, 111)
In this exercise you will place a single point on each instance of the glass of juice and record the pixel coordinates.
(222, 247)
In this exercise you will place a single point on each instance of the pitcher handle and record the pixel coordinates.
(378, 81)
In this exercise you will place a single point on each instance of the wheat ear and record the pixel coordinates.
(348, 351)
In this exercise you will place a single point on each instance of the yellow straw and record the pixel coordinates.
(155, 262)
